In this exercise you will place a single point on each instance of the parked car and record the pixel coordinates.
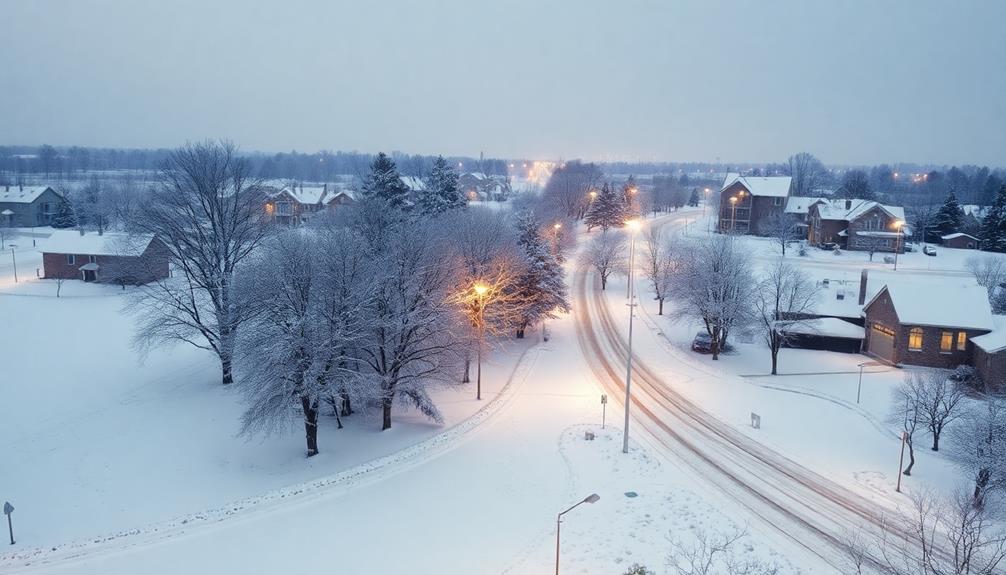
(828, 246)
(929, 250)
(909, 248)
(703, 343)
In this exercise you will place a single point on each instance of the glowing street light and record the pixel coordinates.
(900, 226)
(633, 226)
(480, 292)
(592, 498)
(733, 213)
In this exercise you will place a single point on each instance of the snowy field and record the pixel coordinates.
(122, 466)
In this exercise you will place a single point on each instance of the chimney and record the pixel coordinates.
(862, 286)
(848, 204)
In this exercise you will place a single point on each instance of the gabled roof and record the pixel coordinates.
(949, 303)
(771, 186)
(21, 195)
(801, 205)
(995, 340)
(957, 235)
(95, 244)
(849, 210)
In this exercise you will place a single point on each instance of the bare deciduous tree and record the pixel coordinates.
(783, 297)
(978, 445)
(713, 284)
(715, 554)
(208, 212)
(939, 400)
(989, 272)
(606, 254)
(784, 229)
(659, 262)
(906, 412)
(808, 173)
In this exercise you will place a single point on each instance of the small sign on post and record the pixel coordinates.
(7, 510)
(755, 420)
(604, 408)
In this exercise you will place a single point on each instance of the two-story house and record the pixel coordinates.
(862, 225)
(28, 206)
(748, 204)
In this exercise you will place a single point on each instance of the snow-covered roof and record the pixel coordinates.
(413, 183)
(826, 326)
(957, 235)
(801, 205)
(974, 210)
(772, 186)
(95, 244)
(21, 195)
(948, 302)
(849, 210)
(995, 340)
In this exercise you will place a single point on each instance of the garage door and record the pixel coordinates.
(882, 342)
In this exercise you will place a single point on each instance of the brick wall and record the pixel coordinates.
(150, 266)
(991, 367)
(882, 311)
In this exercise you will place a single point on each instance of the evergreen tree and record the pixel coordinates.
(541, 287)
(385, 183)
(994, 225)
(693, 200)
(607, 211)
(950, 218)
(65, 217)
(442, 192)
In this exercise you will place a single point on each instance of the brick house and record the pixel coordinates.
(990, 355)
(929, 324)
(960, 241)
(861, 225)
(110, 257)
(28, 206)
(294, 204)
(748, 204)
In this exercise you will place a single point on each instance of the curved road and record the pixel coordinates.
(817, 514)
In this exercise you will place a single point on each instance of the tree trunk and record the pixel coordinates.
(911, 456)
(386, 409)
(660, 308)
(520, 331)
(468, 369)
(981, 483)
(716, 343)
(310, 409)
(936, 441)
(604, 282)
(347, 405)
(775, 359)
(225, 363)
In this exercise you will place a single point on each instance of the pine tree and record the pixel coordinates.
(993, 229)
(65, 217)
(442, 192)
(385, 183)
(950, 218)
(607, 211)
(693, 200)
(541, 286)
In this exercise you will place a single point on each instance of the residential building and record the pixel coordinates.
(110, 257)
(960, 241)
(862, 225)
(930, 323)
(294, 204)
(28, 206)
(990, 355)
(748, 204)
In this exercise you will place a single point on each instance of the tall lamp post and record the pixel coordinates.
(592, 498)
(555, 238)
(13, 260)
(480, 294)
(898, 241)
(733, 213)
(633, 225)
(704, 205)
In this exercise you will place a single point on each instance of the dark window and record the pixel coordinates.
(70, 259)
(92, 259)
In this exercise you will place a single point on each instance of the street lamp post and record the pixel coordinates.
(13, 260)
(898, 241)
(592, 498)
(733, 213)
(704, 205)
(555, 239)
(480, 292)
(633, 225)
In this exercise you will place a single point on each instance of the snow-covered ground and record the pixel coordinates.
(121, 466)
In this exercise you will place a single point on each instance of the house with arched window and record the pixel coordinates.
(860, 225)
(930, 324)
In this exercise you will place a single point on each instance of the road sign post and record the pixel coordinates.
(604, 408)
(8, 509)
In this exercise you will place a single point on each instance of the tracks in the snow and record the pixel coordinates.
(812, 511)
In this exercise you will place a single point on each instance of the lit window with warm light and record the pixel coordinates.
(915, 339)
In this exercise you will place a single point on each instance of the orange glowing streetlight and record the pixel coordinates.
(733, 212)
(900, 226)
(480, 290)
(633, 226)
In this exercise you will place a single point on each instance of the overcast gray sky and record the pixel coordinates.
(851, 81)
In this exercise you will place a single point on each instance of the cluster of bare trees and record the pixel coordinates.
(371, 306)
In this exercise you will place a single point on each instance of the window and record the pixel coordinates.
(284, 208)
(92, 259)
(946, 342)
(962, 341)
(777, 201)
(70, 260)
(915, 339)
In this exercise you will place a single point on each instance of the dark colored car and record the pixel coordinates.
(828, 246)
(703, 343)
